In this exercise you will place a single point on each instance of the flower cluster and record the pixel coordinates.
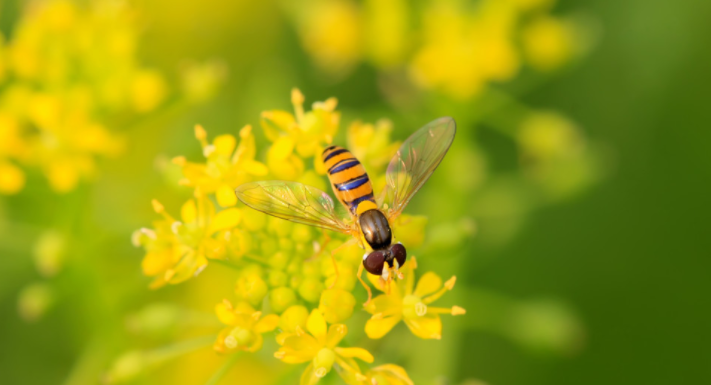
(65, 69)
(285, 280)
(69, 79)
(460, 48)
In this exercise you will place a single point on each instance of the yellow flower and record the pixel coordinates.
(320, 346)
(148, 89)
(201, 81)
(12, 179)
(386, 31)
(464, 51)
(331, 32)
(546, 135)
(227, 165)
(548, 42)
(177, 250)
(298, 135)
(245, 327)
(402, 303)
(69, 68)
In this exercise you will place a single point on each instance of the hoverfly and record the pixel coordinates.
(370, 219)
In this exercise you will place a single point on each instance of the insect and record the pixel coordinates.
(370, 218)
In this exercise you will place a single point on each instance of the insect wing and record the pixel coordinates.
(292, 201)
(415, 161)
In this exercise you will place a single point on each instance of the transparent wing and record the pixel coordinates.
(415, 161)
(292, 201)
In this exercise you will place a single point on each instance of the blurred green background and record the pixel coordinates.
(627, 256)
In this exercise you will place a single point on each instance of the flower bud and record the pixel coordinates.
(238, 337)
(312, 269)
(252, 288)
(292, 317)
(281, 298)
(295, 281)
(310, 289)
(240, 242)
(49, 253)
(254, 220)
(280, 227)
(323, 362)
(301, 233)
(34, 301)
(268, 246)
(286, 244)
(279, 260)
(346, 279)
(277, 278)
(336, 305)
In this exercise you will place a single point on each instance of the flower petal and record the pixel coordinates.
(377, 328)
(225, 314)
(224, 144)
(189, 211)
(219, 345)
(349, 371)
(335, 334)
(225, 219)
(156, 262)
(359, 353)
(226, 196)
(389, 304)
(298, 349)
(427, 327)
(429, 283)
(257, 344)
(393, 373)
(309, 376)
(316, 325)
(255, 168)
(267, 324)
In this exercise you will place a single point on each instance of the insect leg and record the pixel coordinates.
(333, 258)
(367, 288)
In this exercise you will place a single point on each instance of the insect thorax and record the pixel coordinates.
(375, 227)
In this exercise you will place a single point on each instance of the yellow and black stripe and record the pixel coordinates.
(349, 180)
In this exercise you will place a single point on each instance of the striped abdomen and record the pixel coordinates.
(349, 180)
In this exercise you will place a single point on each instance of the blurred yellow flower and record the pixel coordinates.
(12, 179)
(245, 327)
(386, 30)
(69, 68)
(548, 42)
(331, 32)
(227, 165)
(148, 89)
(402, 303)
(201, 81)
(465, 50)
(449, 46)
(547, 135)
(320, 346)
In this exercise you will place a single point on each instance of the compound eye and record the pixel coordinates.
(398, 252)
(374, 262)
